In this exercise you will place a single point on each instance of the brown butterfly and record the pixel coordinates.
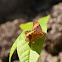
(35, 34)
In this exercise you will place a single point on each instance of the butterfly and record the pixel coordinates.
(35, 34)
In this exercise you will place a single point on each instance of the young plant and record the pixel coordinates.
(29, 51)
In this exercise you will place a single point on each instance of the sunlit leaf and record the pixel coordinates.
(26, 25)
(29, 52)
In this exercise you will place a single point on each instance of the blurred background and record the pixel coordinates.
(15, 12)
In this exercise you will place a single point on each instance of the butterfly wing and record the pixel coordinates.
(27, 32)
(29, 35)
(36, 26)
(34, 22)
(33, 36)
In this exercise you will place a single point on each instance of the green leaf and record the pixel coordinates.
(23, 49)
(14, 46)
(24, 26)
(29, 52)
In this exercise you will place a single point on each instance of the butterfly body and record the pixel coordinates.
(35, 34)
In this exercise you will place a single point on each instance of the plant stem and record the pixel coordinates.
(40, 58)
